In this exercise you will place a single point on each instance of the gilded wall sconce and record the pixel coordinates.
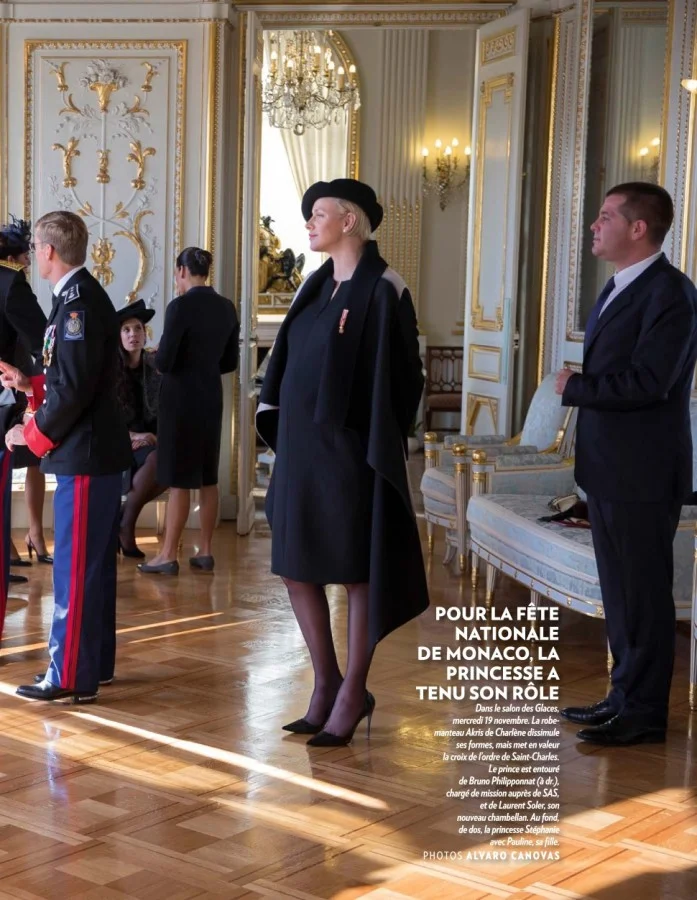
(446, 175)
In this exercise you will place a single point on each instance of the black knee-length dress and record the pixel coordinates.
(319, 502)
(199, 343)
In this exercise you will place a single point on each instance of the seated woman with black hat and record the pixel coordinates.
(138, 389)
(341, 390)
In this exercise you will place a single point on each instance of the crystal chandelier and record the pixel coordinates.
(303, 87)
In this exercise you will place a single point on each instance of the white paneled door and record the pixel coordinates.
(495, 192)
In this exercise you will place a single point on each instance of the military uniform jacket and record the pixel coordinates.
(78, 427)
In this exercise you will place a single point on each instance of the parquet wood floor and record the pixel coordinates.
(179, 783)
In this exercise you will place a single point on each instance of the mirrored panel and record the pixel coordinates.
(310, 101)
(623, 139)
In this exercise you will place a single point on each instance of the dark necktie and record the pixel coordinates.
(597, 309)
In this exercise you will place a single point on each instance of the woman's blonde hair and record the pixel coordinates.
(361, 227)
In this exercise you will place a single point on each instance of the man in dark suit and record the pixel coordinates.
(634, 454)
(79, 432)
(21, 322)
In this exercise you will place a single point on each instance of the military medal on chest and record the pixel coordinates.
(49, 343)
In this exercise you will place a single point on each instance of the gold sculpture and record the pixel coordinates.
(279, 270)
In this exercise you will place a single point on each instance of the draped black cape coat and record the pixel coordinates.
(372, 380)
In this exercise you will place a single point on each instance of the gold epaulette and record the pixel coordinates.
(18, 267)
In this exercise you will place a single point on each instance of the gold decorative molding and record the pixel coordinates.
(549, 185)
(498, 46)
(150, 73)
(215, 32)
(666, 87)
(136, 238)
(103, 173)
(477, 402)
(482, 349)
(488, 88)
(138, 155)
(573, 332)
(69, 152)
(137, 108)
(179, 47)
(70, 108)
(59, 72)
(103, 254)
(347, 59)
(644, 16)
(404, 18)
(103, 79)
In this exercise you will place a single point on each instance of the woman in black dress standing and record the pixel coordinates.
(15, 243)
(199, 343)
(341, 390)
(138, 392)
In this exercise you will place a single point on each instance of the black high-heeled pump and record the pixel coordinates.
(133, 553)
(305, 726)
(41, 557)
(302, 726)
(327, 739)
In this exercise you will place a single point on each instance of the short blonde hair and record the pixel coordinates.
(67, 233)
(361, 227)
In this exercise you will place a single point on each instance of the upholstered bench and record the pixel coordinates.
(558, 562)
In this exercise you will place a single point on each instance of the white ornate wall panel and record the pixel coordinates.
(493, 239)
(114, 129)
(183, 192)
(560, 339)
(104, 137)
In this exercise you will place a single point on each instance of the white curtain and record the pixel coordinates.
(321, 154)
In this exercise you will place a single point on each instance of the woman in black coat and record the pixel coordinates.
(199, 343)
(340, 392)
(138, 392)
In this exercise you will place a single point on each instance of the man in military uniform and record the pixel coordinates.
(79, 432)
(21, 319)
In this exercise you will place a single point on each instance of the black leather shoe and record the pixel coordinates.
(329, 739)
(302, 726)
(621, 731)
(51, 692)
(165, 568)
(205, 563)
(597, 714)
(40, 677)
(18, 579)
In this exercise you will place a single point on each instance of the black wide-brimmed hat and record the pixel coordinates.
(344, 189)
(137, 310)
